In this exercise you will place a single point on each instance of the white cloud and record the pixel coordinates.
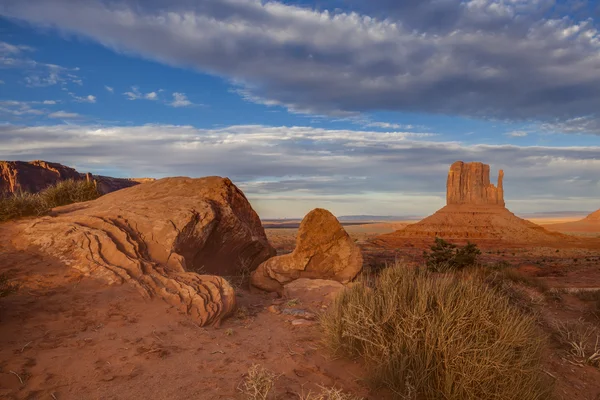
(49, 102)
(287, 170)
(180, 100)
(63, 114)
(1, 82)
(135, 94)
(516, 60)
(86, 99)
(7, 48)
(109, 89)
(516, 134)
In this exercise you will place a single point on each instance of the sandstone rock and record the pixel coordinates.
(475, 211)
(313, 291)
(37, 175)
(302, 322)
(469, 183)
(160, 236)
(323, 251)
(32, 176)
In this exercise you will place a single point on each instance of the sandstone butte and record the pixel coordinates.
(475, 209)
(37, 175)
(324, 250)
(173, 239)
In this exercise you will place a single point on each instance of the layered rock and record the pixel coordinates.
(323, 251)
(475, 210)
(169, 238)
(36, 176)
(469, 183)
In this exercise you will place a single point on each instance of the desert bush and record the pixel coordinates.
(68, 192)
(258, 384)
(23, 204)
(581, 339)
(437, 336)
(448, 256)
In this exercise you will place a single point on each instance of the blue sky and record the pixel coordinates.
(359, 107)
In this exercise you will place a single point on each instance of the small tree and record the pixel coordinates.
(448, 256)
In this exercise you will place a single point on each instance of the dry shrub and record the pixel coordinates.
(425, 335)
(328, 394)
(23, 204)
(258, 384)
(581, 339)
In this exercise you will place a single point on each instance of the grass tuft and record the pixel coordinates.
(328, 394)
(23, 204)
(438, 336)
(258, 384)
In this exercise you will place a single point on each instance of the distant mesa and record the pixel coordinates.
(35, 176)
(589, 224)
(475, 210)
(324, 250)
(175, 239)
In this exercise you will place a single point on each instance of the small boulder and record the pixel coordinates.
(323, 251)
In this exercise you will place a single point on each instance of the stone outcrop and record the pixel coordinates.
(32, 176)
(170, 238)
(469, 183)
(323, 251)
(475, 211)
(36, 176)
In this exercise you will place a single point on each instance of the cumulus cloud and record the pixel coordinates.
(287, 170)
(180, 100)
(517, 60)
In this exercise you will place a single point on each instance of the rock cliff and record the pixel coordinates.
(469, 183)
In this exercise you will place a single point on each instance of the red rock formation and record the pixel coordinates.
(37, 175)
(323, 251)
(590, 224)
(32, 176)
(469, 183)
(475, 210)
(160, 237)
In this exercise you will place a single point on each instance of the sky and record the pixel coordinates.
(355, 106)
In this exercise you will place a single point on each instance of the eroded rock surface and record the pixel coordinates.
(35, 176)
(469, 183)
(323, 251)
(170, 238)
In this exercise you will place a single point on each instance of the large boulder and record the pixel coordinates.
(170, 238)
(323, 251)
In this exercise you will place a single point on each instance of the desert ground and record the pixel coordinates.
(175, 289)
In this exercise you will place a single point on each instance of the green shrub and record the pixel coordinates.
(448, 256)
(434, 336)
(23, 204)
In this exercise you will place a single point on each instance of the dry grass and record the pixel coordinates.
(24, 204)
(582, 341)
(328, 394)
(439, 337)
(258, 383)
(592, 296)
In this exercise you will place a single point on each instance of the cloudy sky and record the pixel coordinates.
(352, 105)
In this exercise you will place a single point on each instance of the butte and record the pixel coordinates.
(475, 211)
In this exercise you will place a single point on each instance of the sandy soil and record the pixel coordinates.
(68, 337)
